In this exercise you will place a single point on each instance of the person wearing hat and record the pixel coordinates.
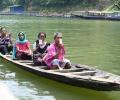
(54, 58)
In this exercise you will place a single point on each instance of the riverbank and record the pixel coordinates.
(104, 15)
(39, 14)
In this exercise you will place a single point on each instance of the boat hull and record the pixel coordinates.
(66, 76)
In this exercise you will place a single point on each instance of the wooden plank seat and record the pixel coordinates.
(69, 70)
(83, 73)
(102, 79)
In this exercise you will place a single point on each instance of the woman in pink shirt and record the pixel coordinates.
(55, 54)
(21, 49)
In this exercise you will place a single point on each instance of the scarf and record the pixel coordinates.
(19, 41)
(24, 40)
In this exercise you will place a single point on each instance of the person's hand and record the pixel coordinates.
(59, 49)
(60, 46)
(43, 54)
(58, 52)
(26, 52)
(20, 50)
(39, 59)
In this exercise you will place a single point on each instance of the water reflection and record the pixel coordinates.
(8, 21)
(1, 65)
(24, 88)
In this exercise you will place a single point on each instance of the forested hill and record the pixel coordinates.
(58, 5)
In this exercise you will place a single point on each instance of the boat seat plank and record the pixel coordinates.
(69, 70)
(78, 77)
(101, 79)
(40, 67)
(83, 73)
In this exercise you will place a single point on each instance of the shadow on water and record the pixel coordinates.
(29, 86)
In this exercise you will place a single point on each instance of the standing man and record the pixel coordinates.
(55, 54)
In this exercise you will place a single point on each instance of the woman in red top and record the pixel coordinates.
(21, 50)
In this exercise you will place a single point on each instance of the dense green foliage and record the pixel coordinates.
(46, 4)
(115, 6)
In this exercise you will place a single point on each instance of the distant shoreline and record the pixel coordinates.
(104, 15)
(38, 14)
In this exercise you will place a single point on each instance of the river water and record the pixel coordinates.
(90, 42)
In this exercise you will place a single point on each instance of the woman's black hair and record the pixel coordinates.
(19, 33)
(41, 33)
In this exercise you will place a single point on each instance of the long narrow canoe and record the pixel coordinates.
(80, 75)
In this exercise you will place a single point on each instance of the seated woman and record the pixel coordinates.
(55, 57)
(40, 49)
(5, 41)
(21, 49)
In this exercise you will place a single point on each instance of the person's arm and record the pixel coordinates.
(59, 48)
(1, 41)
(29, 50)
(50, 53)
(45, 52)
(10, 37)
(17, 49)
(7, 40)
(57, 53)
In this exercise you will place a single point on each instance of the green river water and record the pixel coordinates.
(90, 42)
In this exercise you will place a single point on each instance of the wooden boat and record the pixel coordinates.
(91, 15)
(101, 15)
(78, 75)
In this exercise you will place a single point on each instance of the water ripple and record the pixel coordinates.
(1, 65)
(10, 75)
